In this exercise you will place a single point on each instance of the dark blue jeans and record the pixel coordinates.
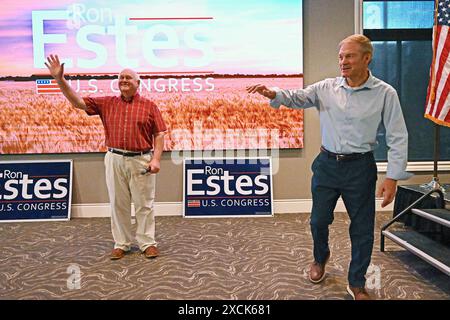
(355, 181)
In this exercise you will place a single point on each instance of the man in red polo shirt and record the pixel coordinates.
(134, 132)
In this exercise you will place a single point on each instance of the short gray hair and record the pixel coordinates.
(364, 42)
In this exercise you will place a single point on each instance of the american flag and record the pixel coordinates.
(193, 204)
(438, 103)
(47, 86)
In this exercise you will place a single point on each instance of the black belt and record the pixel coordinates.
(344, 156)
(129, 153)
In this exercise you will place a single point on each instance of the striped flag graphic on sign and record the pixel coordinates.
(193, 203)
(47, 86)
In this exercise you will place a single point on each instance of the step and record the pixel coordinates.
(441, 216)
(431, 251)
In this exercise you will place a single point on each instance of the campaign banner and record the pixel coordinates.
(35, 190)
(194, 58)
(227, 187)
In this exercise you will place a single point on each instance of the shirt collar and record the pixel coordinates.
(366, 85)
(136, 96)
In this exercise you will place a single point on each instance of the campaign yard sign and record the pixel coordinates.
(35, 190)
(227, 187)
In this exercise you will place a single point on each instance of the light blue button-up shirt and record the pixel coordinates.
(350, 117)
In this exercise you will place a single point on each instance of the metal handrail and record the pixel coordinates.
(440, 202)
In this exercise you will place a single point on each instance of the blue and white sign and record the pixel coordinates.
(227, 187)
(35, 190)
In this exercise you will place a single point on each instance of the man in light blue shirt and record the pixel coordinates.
(351, 109)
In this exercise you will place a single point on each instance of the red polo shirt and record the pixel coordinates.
(129, 125)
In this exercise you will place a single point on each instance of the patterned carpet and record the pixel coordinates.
(201, 259)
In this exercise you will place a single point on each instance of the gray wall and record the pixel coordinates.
(326, 22)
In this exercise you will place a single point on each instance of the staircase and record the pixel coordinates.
(433, 252)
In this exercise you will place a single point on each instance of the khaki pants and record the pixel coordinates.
(126, 184)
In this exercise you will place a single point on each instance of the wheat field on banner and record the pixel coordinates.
(224, 118)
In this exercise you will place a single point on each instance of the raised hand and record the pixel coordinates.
(55, 67)
(262, 90)
(57, 71)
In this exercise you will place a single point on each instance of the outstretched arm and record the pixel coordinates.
(296, 99)
(57, 71)
(262, 90)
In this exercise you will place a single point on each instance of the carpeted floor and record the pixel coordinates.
(201, 259)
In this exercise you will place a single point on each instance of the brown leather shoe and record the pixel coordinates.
(151, 252)
(358, 293)
(117, 254)
(317, 271)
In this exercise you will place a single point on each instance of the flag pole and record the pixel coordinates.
(437, 142)
(436, 151)
(434, 183)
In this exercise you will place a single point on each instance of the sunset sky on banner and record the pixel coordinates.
(223, 37)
